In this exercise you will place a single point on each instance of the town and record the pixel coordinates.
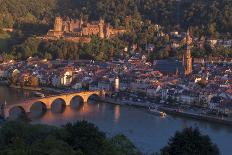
(115, 77)
(201, 86)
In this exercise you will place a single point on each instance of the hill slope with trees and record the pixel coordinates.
(35, 17)
(212, 16)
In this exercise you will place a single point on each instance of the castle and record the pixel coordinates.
(78, 30)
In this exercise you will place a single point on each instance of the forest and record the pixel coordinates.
(209, 18)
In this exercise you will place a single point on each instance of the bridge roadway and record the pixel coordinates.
(47, 102)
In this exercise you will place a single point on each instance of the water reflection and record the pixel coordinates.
(58, 106)
(147, 131)
(116, 113)
(37, 110)
(12, 95)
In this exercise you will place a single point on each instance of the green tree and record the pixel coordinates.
(85, 136)
(123, 146)
(190, 142)
(80, 138)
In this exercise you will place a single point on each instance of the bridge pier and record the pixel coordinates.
(6, 113)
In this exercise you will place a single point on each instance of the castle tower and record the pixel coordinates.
(188, 57)
(81, 23)
(101, 28)
(58, 24)
(107, 31)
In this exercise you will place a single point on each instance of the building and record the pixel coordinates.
(105, 85)
(187, 58)
(169, 66)
(66, 78)
(116, 84)
(75, 30)
(174, 66)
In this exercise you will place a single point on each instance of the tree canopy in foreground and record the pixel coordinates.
(83, 138)
(190, 142)
(80, 138)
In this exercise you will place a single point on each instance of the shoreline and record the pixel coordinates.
(172, 111)
(26, 88)
(6, 83)
(197, 116)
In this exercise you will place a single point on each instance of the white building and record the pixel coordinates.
(116, 84)
(66, 78)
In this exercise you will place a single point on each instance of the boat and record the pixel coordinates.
(39, 94)
(157, 112)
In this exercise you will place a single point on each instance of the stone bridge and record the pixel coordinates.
(47, 102)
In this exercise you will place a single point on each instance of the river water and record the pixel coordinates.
(145, 130)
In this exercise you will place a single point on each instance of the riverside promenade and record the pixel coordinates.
(173, 111)
(204, 117)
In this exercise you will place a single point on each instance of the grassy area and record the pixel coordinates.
(4, 38)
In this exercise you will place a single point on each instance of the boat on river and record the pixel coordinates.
(38, 94)
(157, 112)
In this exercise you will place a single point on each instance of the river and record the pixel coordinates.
(147, 131)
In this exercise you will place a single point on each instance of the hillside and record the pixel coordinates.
(30, 18)
(205, 16)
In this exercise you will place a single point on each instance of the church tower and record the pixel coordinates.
(58, 24)
(188, 58)
(101, 28)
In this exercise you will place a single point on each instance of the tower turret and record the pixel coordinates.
(107, 30)
(188, 38)
(58, 24)
(81, 23)
(101, 28)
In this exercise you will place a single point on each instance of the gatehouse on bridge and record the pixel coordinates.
(47, 102)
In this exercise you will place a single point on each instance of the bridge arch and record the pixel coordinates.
(38, 108)
(76, 102)
(93, 98)
(58, 105)
(50, 102)
(16, 112)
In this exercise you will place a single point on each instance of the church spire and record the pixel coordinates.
(188, 38)
(188, 57)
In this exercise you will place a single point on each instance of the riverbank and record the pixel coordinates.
(4, 83)
(173, 111)
(129, 103)
(41, 89)
(52, 90)
(202, 117)
(25, 87)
